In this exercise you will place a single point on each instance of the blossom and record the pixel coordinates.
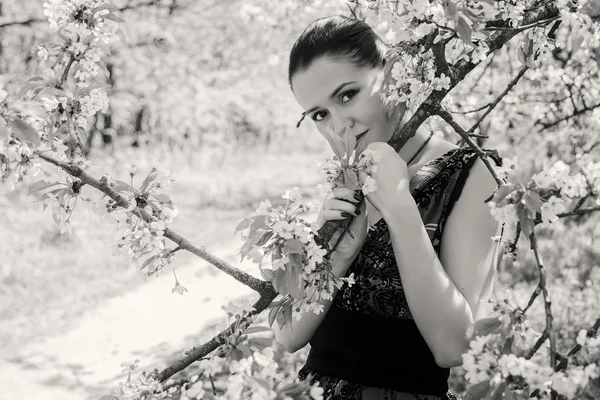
(369, 186)
(264, 208)
(292, 195)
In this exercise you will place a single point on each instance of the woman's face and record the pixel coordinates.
(338, 94)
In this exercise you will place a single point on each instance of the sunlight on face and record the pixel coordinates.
(338, 94)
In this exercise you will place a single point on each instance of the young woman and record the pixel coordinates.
(395, 333)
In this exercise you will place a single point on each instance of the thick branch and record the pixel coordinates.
(196, 353)
(578, 212)
(465, 136)
(256, 284)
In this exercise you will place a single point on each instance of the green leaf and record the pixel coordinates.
(464, 30)
(148, 261)
(113, 17)
(4, 133)
(42, 185)
(259, 238)
(490, 2)
(501, 193)
(527, 224)
(471, 15)
(293, 246)
(263, 383)
(260, 222)
(107, 6)
(121, 36)
(163, 198)
(121, 186)
(279, 282)
(349, 141)
(261, 342)
(336, 144)
(450, 10)
(54, 91)
(532, 202)
(267, 274)
(293, 278)
(486, 326)
(576, 42)
(508, 394)
(244, 224)
(273, 314)
(285, 314)
(256, 329)
(477, 391)
(148, 180)
(24, 132)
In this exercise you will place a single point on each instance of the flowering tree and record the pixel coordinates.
(444, 49)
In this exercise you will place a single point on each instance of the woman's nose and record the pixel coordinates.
(340, 122)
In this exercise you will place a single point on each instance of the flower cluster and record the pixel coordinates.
(498, 351)
(299, 267)
(80, 18)
(78, 107)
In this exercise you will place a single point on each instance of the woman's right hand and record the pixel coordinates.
(344, 201)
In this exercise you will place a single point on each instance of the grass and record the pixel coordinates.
(49, 280)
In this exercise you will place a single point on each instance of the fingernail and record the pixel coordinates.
(357, 211)
(345, 214)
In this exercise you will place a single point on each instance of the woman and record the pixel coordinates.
(395, 333)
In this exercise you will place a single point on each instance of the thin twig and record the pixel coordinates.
(465, 136)
(256, 284)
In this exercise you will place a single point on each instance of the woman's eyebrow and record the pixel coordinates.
(333, 94)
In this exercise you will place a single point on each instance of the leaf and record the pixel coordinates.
(24, 132)
(496, 392)
(490, 2)
(4, 133)
(273, 314)
(256, 329)
(471, 15)
(349, 141)
(107, 6)
(244, 224)
(148, 180)
(293, 246)
(163, 198)
(464, 30)
(263, 383)
(501, 193)
(576, 42)
(267, 274)
(260, 222)
(121, 186)
(33, 109)
(526, 222)
(259, 238)
(336, 143)
(285, 314)
(279, 282)
(532, 202)
(450, 9)
(486, 326)
(261, 342)
(121, 36)
(113, 17)
(477, 391)
(54, 91)
(508, 394)
(148, 261)
(42, 185)
(293, 279)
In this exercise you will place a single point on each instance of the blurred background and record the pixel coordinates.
(202, 87)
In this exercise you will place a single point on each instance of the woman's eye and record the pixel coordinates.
(316, 118)
(350, 93)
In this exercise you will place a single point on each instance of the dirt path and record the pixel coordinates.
(149, 323)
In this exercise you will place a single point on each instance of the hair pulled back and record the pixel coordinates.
(341, 38)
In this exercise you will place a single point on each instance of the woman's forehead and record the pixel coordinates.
(313, 86)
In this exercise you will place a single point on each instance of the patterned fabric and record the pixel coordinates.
(378, 288)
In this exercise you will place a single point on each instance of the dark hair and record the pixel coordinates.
(341, 38)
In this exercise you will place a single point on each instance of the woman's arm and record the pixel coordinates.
(444, 299)
(297, 333)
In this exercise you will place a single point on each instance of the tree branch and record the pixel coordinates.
(465, 136)
(256, 284)
(197, 353)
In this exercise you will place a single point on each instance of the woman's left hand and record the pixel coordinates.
(391, 178)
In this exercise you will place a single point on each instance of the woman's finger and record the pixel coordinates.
(346, 194)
